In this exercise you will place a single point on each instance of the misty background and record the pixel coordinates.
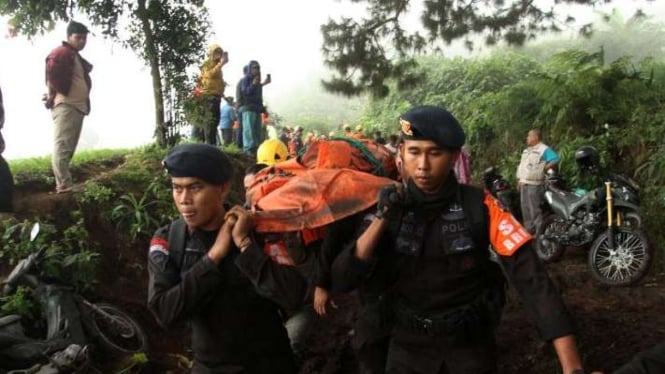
(287, 45)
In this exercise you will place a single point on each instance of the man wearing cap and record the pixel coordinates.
(207, 269)
(68, 96)
(427, 279)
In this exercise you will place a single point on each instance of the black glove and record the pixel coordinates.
(389, 202)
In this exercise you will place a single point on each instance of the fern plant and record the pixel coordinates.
(142, 215)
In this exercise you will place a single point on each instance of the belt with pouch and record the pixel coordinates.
(455, 321)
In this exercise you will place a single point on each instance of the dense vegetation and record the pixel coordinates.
(576, 96)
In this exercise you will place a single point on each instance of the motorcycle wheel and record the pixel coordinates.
(624, 265)
(548, 249)
(115, 331)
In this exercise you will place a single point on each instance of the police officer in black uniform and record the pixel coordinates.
(215, 276)
(433, 295)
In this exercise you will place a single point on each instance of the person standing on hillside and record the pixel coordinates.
(212, 85)
(209, 270)
(536, 160)
(68, 97)
(6, 179)
(252, 94)
(226, 119)
(240, 102)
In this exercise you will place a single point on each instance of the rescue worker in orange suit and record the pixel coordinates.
(432, 292)
(219, 280)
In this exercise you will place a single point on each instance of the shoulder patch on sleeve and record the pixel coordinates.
(507, 235)
(158, 244)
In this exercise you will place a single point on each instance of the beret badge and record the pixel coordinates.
(406, 127)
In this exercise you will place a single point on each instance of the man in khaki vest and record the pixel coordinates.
(68, 83)
(537, 158)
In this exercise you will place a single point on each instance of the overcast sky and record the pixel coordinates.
(284, 36)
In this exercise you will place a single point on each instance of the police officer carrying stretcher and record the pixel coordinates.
(431, 289)
(206, 269)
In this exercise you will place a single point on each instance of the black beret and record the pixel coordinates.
(76, 28)
(202, 161)
(430, 122)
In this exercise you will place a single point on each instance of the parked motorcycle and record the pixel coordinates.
(619, 254)
(71, 320)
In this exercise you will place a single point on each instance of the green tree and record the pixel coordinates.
(364, 54)
(168, 35)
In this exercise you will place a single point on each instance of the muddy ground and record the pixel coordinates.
(614, 323)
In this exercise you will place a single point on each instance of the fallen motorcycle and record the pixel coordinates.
(71, 320)
(619, 253)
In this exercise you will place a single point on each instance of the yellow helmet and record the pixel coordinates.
(271, 151)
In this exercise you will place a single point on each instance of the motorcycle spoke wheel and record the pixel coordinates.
(547, 248)
(116, 331)
(623, 265)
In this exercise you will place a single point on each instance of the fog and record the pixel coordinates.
(283, 36)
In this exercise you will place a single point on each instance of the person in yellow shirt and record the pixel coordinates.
(212, 87)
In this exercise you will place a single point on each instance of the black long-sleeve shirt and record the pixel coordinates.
(338, 235)
(232, 307)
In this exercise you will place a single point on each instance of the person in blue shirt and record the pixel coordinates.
(536, 160)
(226, 119)
(252, 93)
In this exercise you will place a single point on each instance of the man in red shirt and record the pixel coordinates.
(68, 97)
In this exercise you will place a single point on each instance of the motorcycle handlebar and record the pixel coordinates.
(21, 270)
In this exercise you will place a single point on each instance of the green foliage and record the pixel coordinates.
(575, 97)
(169, 36)
(39, 168)
(21, 302)
(70, 255)
(143, 215)
(130, 364)
(367, 53)
(196, 111)
(95, 193)
(16, 243)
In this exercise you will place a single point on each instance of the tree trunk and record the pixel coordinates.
(153, 61)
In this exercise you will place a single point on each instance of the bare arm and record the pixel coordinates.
(566, 350)
(368, 241)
